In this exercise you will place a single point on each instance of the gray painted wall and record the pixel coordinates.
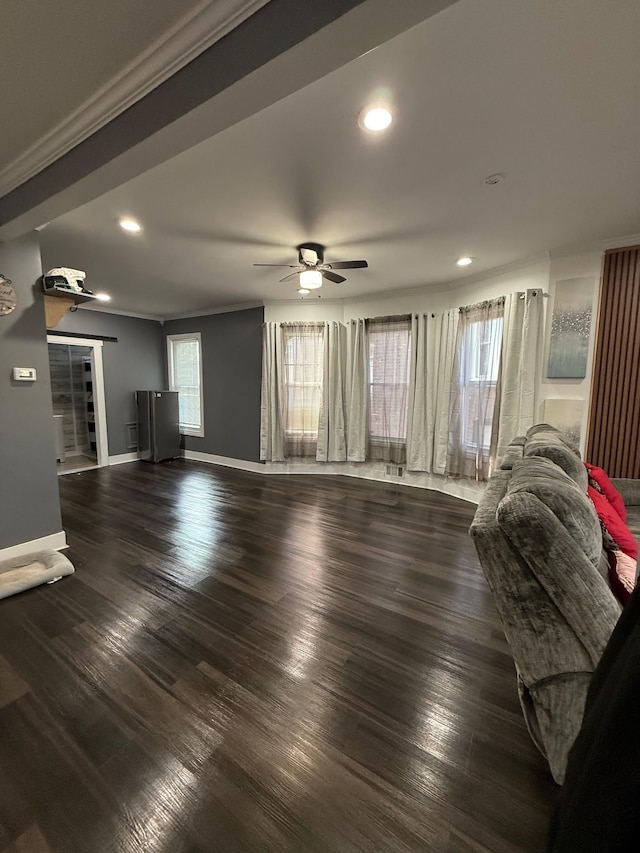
(136, 362)
(232, 370)
(30, 506)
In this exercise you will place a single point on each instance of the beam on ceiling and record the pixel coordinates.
(284, 46)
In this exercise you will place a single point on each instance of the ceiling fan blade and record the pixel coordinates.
(348, 265)
(332, 276)
(309, 256)
(291, 266)
(289, 277)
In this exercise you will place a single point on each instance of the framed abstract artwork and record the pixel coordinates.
(570, 328)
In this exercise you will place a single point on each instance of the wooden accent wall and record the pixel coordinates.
(613, 439)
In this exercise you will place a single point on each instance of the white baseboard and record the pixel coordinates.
(465, 490)
(56, 541)
(226, 461)
(121, 458)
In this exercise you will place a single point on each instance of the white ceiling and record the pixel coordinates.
(544, 92)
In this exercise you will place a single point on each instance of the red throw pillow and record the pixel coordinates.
(607, 488)
(618, 530)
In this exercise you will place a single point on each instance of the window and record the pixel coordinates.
(389, 345)
(303, 363)
(479, 380)
(185, 377)
(474, 389)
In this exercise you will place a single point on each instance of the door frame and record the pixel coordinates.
(99, 399)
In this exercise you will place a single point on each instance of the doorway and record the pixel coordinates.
(77, 392)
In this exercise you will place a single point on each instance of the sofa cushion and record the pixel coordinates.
(633, 520)
(558, 707)
(541, 477)
(552, 447)
(512, 453)
(629, 489)
(603, 566)
(540, 429)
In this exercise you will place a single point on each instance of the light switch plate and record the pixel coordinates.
(24, 374)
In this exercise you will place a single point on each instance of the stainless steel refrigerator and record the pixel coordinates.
(158, 430)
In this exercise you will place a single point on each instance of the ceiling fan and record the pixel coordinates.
(311, 260)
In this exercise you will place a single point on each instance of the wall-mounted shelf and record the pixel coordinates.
(62, 293)
(58, 300)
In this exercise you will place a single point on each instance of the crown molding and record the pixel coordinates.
(451, 285)
(333, 300)
(436, 288)
(496, 272)
(135, 314)
(205, 312)
(205, 24)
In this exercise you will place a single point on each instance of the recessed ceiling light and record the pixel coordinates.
(130, 225)
(375, 118)
(464, 262)
(102, 297)
(303, 291)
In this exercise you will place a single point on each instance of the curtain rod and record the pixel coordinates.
(60, 334)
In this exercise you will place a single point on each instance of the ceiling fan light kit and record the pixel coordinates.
(310, 279)
(311, 270)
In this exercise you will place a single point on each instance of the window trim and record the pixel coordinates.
(187, 336)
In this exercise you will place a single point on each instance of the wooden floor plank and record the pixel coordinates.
(262, 663)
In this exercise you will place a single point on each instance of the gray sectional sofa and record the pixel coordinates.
(540, 545)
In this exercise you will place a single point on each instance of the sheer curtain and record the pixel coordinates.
(302, 360)
(423, 382)
(446, 332)
(521, 349)
(272, 394)
(474, 384)
(332, 443)
(356, 392)
(388, 356)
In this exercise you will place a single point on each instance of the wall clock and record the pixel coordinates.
(8, 299)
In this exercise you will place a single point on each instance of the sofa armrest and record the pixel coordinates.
(570, 579)
(629, 489)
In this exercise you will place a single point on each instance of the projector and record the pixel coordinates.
(64, 278)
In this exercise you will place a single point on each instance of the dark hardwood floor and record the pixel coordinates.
(260, 663)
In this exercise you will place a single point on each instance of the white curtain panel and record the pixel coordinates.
(521, 349)
(357, 391)
(474, 386)
(332, 439)
(423, 386)
(444, 346)
(271, 416)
